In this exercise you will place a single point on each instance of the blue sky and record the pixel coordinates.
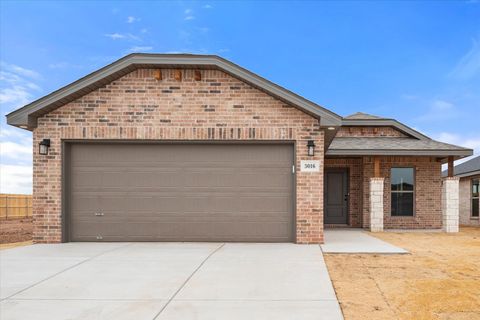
(418, 62)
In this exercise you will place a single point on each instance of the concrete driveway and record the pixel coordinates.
(166, 281)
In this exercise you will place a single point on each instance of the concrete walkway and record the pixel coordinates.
(166, 281)
(356, 241)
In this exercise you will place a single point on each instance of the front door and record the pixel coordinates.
(336, 196)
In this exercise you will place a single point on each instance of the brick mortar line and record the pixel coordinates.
(62, 271)
(188, 279)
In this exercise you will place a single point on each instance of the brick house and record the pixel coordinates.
(195, 148)
(469, 174)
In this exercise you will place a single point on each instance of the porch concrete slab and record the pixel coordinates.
(240, 310)
(262, 272)
(356, 241)
(79, 309)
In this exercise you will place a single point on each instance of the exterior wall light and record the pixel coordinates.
(44, 146)
(311, 148)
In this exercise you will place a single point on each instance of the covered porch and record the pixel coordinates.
(389, 192)
(379, 189)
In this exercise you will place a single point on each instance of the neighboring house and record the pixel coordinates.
(195, 148)
(469, 174)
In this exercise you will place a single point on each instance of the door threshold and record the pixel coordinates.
(336, 225)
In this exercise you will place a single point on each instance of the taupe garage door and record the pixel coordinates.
(182, 192)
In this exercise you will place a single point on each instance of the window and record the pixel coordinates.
(475, 190)
(402, 191)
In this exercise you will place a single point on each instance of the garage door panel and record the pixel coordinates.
(149, 192)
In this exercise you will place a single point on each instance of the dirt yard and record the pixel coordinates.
(440, 279)
(15, 230)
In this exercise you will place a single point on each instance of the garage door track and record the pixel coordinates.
(166, 281)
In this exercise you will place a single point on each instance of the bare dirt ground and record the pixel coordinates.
(440, 279)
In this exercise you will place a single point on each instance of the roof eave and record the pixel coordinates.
(396, 152)
(468, 174)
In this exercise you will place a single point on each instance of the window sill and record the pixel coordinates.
(403, 217)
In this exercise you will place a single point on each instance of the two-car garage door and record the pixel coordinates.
(179, 192)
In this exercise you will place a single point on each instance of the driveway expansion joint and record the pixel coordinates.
(64, 270)
(188, 279)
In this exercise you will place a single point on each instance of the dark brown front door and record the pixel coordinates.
(336, 196)
(181, 192)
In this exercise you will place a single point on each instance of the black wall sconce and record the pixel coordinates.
(44, 146)
(311, 148)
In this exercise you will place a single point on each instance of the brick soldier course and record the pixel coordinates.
(165, 100)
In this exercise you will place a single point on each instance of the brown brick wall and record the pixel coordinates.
(369, 132)
(465, 186)
(354, 166)
(136, 106)
(15, 230)
(428, 191)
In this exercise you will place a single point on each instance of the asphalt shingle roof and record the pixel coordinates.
(376, 145)
(471, 165)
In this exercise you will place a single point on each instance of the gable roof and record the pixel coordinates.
(364, 119)
(361, 116)
(414, 144)
(467, 168)
(26, 117)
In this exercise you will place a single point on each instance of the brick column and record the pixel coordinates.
(450, 204)
(376, 204)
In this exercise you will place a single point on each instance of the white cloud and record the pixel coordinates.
(125, 36)
(16, 179)
(63, 65)
(115, 36)
(16, 86)
(207, 6)
(203, 29)
(441, 105)
(409, 97)
(27, 73)
(470, 141)
(132, 19)
(139, 49)
(12, 132)
(469, 65)
(188, 14)
(13, 150)
(439, 110)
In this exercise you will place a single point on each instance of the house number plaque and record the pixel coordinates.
(309, 165)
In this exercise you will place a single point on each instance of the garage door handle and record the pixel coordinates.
(99, 214)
